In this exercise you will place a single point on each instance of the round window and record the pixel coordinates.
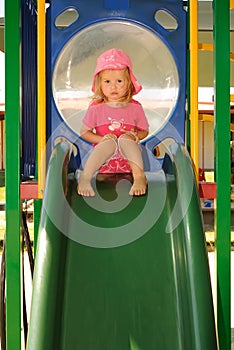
(153, 65)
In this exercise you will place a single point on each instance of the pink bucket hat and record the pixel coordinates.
(115, 59)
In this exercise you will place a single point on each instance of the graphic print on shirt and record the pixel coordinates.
(116, 124)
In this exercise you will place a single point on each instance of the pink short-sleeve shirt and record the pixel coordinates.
(105, 119)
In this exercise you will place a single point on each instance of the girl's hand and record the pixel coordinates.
(109, 136)
(133, 134)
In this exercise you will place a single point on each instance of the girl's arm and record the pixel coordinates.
(138, 134)
(90, 136)
(142, 134)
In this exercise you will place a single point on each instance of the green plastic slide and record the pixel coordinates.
(120, 273)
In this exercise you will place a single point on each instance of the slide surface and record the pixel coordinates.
(120, 273)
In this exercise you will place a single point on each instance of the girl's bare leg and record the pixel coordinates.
(130, 150)
(100, 154)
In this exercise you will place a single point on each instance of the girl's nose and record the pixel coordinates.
(112, 85)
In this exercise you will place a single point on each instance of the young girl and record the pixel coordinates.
(114, 124)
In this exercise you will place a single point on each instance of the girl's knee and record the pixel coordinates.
(126, 141)
(109, 142)
(126, 137)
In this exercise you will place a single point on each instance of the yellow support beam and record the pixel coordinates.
(210, 118)
(41, 98)
(210, 47)
(205, 47)
(194, 82)
(206, 117)
(231, 4)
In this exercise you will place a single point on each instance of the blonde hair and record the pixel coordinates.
(99, 97)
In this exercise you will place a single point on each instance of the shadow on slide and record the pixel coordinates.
(115, 272)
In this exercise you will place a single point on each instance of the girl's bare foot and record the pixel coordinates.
(84, 187)
(139, 186)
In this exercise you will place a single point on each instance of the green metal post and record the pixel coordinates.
(37, 215)
(12, 132)
(222, 162)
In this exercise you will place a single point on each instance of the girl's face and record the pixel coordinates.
(114, 85)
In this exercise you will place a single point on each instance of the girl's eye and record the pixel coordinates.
(120, 81)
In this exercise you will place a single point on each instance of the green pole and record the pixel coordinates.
(12, 146)
(37, 216)
(223, 170)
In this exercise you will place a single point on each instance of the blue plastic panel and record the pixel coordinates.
(158, 53)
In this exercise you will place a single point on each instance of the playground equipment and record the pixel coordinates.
(223, 198)
(143, 284)
(72, 57)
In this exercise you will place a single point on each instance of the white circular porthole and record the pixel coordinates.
(153, 65)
